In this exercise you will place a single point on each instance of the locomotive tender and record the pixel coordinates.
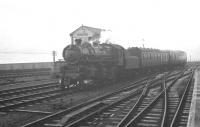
(107, 61)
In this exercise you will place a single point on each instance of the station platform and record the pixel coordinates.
(194, 115)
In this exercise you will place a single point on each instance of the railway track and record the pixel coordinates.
(117, 109)
(19, 97)
(8, 77)
(69, 116)
(7, 93)
(24, 74)
(14, 98)
(164, 109)
(21, 81)
(112, 115)
(184, 106)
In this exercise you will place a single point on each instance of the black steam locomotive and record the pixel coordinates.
(106, 61)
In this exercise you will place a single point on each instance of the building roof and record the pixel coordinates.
(92, 29)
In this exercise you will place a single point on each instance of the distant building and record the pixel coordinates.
(86, 34)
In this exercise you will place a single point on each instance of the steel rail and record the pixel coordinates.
(165, 105)
(183, 98)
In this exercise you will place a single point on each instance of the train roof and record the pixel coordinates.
(148, 49)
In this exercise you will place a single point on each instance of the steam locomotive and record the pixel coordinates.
(107, 61)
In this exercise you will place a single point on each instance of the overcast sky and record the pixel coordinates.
(45, 25)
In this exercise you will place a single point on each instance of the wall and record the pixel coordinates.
(22, 66)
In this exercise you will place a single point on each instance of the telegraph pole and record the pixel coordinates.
(54, 56)
(143, 42)
(54, 60)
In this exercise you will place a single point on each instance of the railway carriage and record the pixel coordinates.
(177, 58)
(148, 58)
